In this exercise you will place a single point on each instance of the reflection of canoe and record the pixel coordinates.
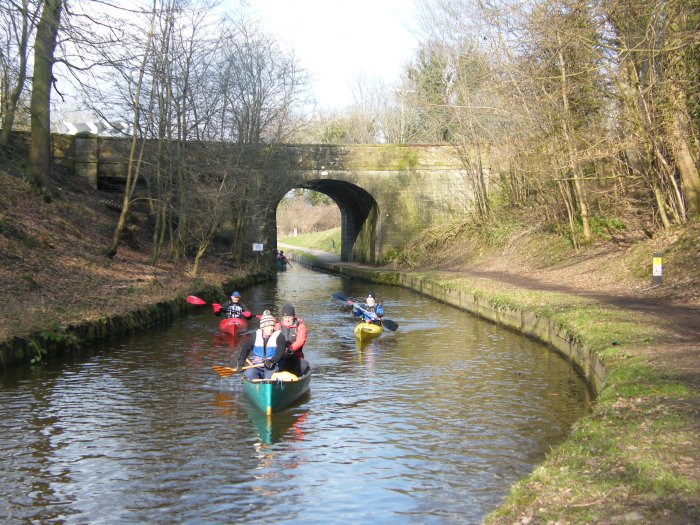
(273, 429)
(366, 331)
(270, 395)
(233, 326)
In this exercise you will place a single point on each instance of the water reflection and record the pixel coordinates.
(368, 352)
(285, 425)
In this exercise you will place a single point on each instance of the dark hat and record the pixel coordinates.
(288, 309)
(235, 294)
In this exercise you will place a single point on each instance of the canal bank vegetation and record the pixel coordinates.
(60, 290)
(633, 459)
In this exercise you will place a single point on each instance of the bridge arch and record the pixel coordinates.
(358, 217)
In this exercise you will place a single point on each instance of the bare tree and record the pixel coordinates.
(18, 22)
(427, 91)
(210, 206)
(262, 86)
(563, 66)
(372, 117)
(135, 151)
(583, 98)
(657, 47)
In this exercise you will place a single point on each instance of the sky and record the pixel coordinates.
(335, 41)
(338, 41)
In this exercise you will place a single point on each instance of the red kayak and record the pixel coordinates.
(233, 326)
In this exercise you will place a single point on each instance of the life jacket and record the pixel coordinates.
(231, 310)
(364, 309)
(260, 351)
(290, 334)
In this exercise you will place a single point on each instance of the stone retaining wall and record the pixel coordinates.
(51, 341)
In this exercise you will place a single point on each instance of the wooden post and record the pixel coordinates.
(657, 269)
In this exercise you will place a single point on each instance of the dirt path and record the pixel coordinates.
(683, 319)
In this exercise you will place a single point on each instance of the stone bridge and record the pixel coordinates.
(386, 193)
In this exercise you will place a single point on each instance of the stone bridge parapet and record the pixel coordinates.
(386, 193)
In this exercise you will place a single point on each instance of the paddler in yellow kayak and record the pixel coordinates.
(369, 311)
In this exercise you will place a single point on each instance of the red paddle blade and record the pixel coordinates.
(192, 299)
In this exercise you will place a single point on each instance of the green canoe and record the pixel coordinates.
(271, 395)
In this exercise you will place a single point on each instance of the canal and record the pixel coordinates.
(431, 423)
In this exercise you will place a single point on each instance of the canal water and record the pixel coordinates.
(431, 423)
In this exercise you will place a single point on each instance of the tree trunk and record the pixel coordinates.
(579, 193)
(134, 168)
(661, 207)
(201, 251)
(679, 137)
(567, 197)
(39, 167)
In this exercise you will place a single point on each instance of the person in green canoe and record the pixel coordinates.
(293, 331)
(265, 348)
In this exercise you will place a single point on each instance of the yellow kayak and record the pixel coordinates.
(366, 331)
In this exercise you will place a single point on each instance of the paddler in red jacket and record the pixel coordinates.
(293, 330)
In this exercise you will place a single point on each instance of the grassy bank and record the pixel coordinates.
(327, 241)
(634, 457)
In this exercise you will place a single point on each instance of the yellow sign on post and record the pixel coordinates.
(657, 269)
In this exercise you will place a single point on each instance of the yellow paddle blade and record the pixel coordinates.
(223, 371)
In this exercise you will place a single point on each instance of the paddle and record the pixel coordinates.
(225, 371)
(341, 297)
(193, 299)
(386, 323)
